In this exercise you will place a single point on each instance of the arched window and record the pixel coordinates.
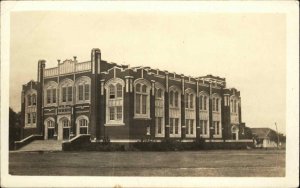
(66, 88)
(65, 123)
(50, 93)
(159, 110)
(83, 85)
(49, 131)
(216, 119)
(28, 100)
(114, 101)
(50, 124)
(33, 99)
(190, 113)
(204, 114)
(175, 111)
(30, 108)
(142, 98)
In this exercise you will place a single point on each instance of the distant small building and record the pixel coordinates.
(264, 137)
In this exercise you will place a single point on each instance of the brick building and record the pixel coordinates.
(127, 103)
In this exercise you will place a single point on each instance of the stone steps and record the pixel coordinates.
(43, 145)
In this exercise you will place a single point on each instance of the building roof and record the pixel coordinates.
(262, 132)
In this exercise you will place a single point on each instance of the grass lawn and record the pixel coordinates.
(230, 163)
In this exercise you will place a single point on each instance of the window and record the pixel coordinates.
(70, 93)
(28, 100)
(87, 92)
(189, 123)
(204, 127)
(203, 101)
(216, 103)
(50, 93)
(217, 128)
(28, 118)
(142, 99)
(50, 124)
(33, 99)
(190, 113)
(80, 90)
(83, 126)
(114, 100)
(64, 94)
(33, 117)
(66, 91)
(175, 112)
(174, 126)
(159, 110)
(65, 123)
(82, 86)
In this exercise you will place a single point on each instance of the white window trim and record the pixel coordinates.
(207, 128)
(78, 124)
(66, 83)
(30, 109)
(162, 134)
(175, 88)
(204, 94)
(189, 92)
(114, 81)
(220, 130)
(148, 85)
(83, 80)
(50, 85)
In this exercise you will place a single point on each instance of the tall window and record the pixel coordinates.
(66, 91)
(83, 89)
(50, 93)
(28, 100)
(33, 117)
(142, 99)
(174, 112)
(204, 127)
(33, 96)
(29, 118)
(114, 99)
(190, 113)
(159, 110)
(216, 104)
(203, 101)
(217, 128)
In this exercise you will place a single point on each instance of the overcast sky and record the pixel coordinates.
(249, 50)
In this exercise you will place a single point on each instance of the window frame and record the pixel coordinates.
(144, 96)
(114, 103)
(190, 113)
(159, 110)
(176, 109)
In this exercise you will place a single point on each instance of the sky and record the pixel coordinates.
(248, 49)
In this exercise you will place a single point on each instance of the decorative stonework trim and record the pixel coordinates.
(127, 87)
(114, 125)
(141, 117)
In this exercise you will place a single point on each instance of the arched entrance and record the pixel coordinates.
(82, 123)
(49, 131)
(64, 126)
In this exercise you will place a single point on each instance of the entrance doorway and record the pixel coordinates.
(66, 133)
(50, 133)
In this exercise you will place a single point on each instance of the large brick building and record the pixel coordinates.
(127, 103)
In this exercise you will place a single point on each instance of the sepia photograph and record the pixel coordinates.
(134, 94)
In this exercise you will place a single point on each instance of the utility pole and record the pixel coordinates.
(277, 135)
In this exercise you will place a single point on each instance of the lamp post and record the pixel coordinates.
(277, 135)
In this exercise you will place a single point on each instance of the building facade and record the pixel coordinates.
(127, 103)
